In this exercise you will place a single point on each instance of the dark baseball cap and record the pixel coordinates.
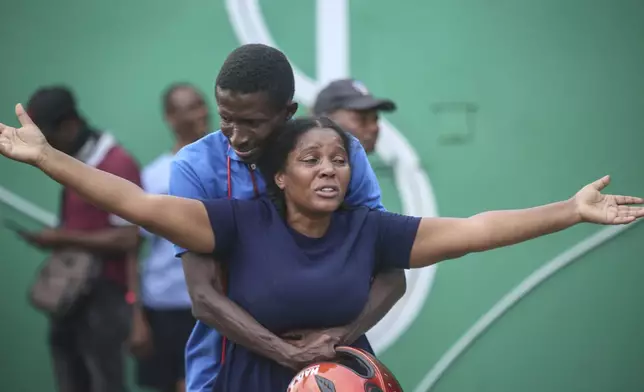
(49, 106)
(349, 94)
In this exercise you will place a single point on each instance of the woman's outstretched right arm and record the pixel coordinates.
(182, 221)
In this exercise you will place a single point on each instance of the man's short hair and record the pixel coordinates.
(49, 106)
(166, 99)
(256, 68)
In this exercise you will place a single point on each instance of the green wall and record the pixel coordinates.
(559, 90)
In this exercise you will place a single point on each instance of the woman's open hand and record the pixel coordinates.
(25, 144)
(596, 207)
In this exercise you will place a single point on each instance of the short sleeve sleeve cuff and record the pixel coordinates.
(396, 236)
(221, 213)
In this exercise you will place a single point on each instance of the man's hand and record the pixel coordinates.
(140, 340)
(45, 239)
(314, 348)
(115, 240)
(305, 337)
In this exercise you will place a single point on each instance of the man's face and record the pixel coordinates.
(64, 136)
(189, 116)
(363, 124)
(248, 119)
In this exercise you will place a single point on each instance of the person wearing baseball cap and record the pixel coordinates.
(350, 104)
(87, 341)
(53, 109)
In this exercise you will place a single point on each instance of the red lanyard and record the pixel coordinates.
(230, 182)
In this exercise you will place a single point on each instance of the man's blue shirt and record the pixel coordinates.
(200, 171)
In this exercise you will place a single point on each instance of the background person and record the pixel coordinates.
(349, 103)
(166, 321)
(87, 344)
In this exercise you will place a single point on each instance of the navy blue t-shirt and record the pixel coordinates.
(288, 281)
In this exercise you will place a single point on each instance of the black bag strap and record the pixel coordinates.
(61, 211)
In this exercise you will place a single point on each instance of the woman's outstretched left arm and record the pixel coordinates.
(184, 222)
(439, 239)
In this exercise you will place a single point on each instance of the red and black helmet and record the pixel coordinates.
(353, 370)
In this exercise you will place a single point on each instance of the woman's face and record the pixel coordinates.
(317, 172)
